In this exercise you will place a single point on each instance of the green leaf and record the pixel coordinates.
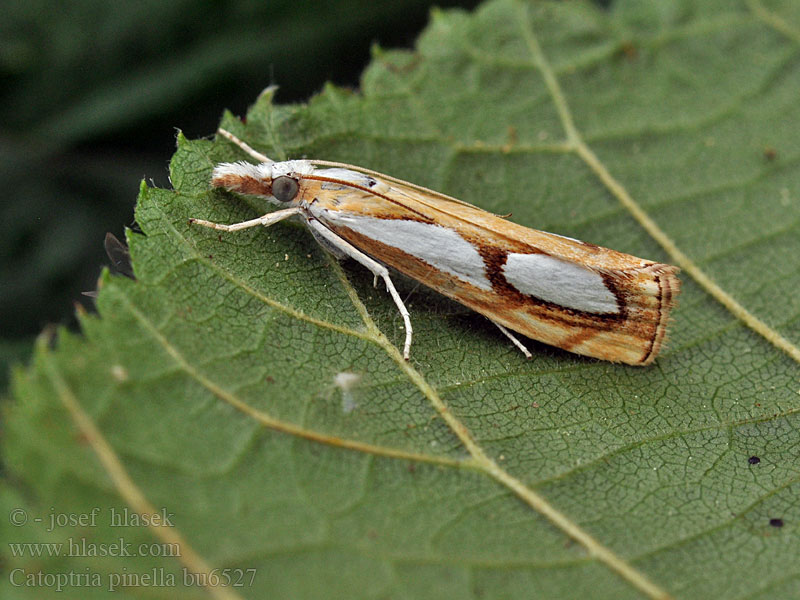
(209, 386)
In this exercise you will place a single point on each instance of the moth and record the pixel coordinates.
(571, 294)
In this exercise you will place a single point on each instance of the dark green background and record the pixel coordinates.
(93, 91)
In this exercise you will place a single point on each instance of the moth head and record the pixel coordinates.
(279, 181)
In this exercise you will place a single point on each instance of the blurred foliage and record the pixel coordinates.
(93, 92)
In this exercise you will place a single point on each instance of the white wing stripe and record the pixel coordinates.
(560, 282)
(438, 246)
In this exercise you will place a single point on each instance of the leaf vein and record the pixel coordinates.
(271, 422)
(773, 20)
(121, 479)
(605, 457)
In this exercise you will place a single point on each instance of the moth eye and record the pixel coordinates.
(284, 188)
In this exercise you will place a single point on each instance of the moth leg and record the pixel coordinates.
(377, 269)
(514, 340)
(246, 147)
(265, 220)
